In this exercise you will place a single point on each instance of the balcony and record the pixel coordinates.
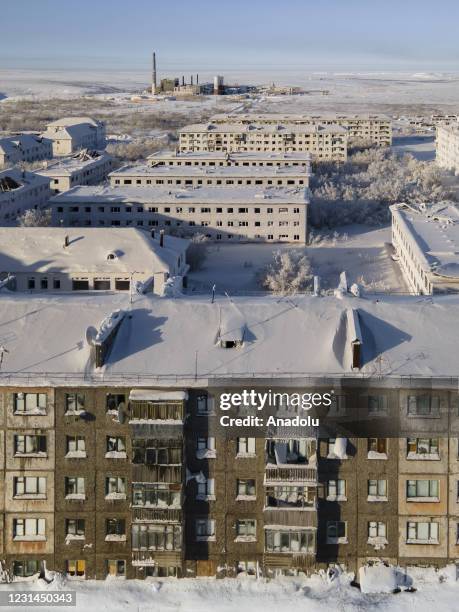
(290, 518)
(153, 557)
(149, 515)
(296, 473)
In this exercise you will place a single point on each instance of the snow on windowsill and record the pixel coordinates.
(333, 456)
(242, 538)
(73, 537)
(115, 496)
(210, 538)
(74, 412)
(377, 498)
(30, 538)
(205, 497)
(378, 542)
(116, 455)
(410, 541)
(337, 541)
(376, 455)
(115, 537)
(76, 454)
(78, 496)
(423, 499)
(30, 496)
(246, 498)
(206, 453)
(336, 498)
(36, 412)
(40, 454)
(423, 457)
(246, 456)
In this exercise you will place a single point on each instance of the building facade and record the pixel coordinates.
(71, 134)
(372, 128)
(323, 142)
(24, 148)
(210, 159)
(239, 213)
(83, 168)
(447, 147)
(21, 191)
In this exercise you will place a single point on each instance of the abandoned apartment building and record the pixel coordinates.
(129, 476)
(20, 191)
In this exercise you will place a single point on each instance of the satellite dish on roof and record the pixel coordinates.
(91, 334)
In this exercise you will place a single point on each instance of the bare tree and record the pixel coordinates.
(197, 251)
(288, 273)
(35, 218)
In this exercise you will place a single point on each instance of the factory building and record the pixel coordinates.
(239, 213)
(323, 142)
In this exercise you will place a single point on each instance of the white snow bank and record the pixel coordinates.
(109, 324)
(377, 579)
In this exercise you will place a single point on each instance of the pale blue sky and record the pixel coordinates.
(224, 35)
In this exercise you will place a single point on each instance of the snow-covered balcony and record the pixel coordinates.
(291, 461)
(155, 411)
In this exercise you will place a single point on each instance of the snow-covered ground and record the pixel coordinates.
(363, 252)
(437, 589)
(421, 147)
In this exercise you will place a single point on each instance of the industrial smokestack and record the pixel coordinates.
(161, 238)
(197, 79)
(153, 79)
(183, 81)
(191, 81)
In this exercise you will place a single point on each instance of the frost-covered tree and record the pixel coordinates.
(288, 273)
(196, 254)
(35, 218)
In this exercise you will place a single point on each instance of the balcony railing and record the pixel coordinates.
(304, 474)
(150, 515)
(152, 557)
(290, 518)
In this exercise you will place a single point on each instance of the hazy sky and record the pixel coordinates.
(224, 35)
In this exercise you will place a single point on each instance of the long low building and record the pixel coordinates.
(274, 214)
(57, 260)
(84, 168)
(447, 147)
(426, 241)
(197, 176)
(112, 462)
(323, 142)
(230, 158)
(363, 127)
(24, 148)
(21, 191)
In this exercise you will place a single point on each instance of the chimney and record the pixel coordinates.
(197, 79)
(183, 81)
(152, 233)
(161, 238)
(191, 80)
(153, 80)
(355, 338)
(66, 242)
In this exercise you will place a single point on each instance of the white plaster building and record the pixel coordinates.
(197, 176)
(21, 191)
(24, 148)
(447, 147)
(426, 241)
(71, 134)
(232, 158)
(375, 128)
(83, 168)
(54, 259)
(222, 213)
(324, 142)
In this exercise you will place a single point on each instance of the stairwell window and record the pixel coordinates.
(246, 489)
(116, 447)
(337, 532)
(246, 530)
(377, 490)
(205, 530)
(206, 490)
(74, 487)
(74, 403)
(115, 487)
(336, 490)
(245, 447)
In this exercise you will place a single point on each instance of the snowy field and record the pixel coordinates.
(437, 589)
(421, 147)
(362, 252)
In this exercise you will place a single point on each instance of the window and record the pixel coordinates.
(246, 529)
(102, 284)
(75, 527)
(287, 541)
(115, 527)
(336, 490)
(422, 490)
(422, 448)
(246, 567)
(115, 402)
(156, 494)
(205, 529)
(74, 487)
(74, 403)
(116, 447)
(377, 405)
(377, 448)
(377, 490)
(26, 568)
(116, 567)
(44, 283)
(76, 446)
(336, 532)
(245, 488)
(29, 403)
(204, 405)
(205, 448)
(30, 445)
(156, 537)
(206, 490)
(56, 283)
(115, 487)
(423, 405)
(29, 486)
(29, 529)
(246, 446)
(76, 569)
(421, 533)
(80, 284)
(376, 529)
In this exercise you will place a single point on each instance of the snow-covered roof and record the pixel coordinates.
(172, 342)
(209, 171)
(71, 121)
(263, 128)
(176, 196)
(235, 156)
(25, 181)
(434, 230)
(68, 166)
(41, 249)
(254, 117)
(10, 144)
(148, 395)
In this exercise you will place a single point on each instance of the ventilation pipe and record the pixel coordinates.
(161, 238)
